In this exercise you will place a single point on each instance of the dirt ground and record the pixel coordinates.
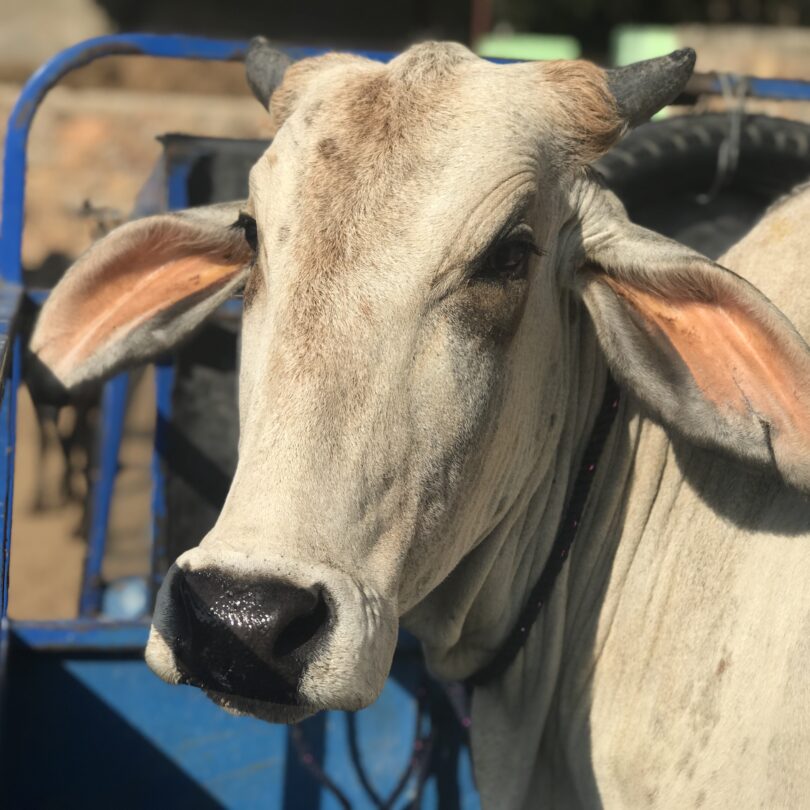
(48, 548)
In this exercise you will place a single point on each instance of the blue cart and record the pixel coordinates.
(84, 723)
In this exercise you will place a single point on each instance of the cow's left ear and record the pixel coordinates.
(707, 352)
(136, 293)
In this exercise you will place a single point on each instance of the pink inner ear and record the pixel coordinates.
(736, 360)
(101, 312)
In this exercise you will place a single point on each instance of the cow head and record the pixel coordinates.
(416, 248)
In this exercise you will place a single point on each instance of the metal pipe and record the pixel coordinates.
(40, 83)
(113, 412)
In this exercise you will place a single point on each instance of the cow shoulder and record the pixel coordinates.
(773, 256)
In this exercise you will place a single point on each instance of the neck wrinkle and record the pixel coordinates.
(483, 597)
(540, 705)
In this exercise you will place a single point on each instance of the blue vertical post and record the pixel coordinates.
(113, 412)
(12, 357)
(11, 354)
(176, 173)
(11, 351)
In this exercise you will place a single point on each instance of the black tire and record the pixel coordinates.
(662, 170)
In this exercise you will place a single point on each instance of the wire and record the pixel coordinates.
(735, 90)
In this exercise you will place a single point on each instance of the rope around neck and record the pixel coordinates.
(566, 534)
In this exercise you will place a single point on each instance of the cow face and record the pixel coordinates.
(415, 249)
(387, 416)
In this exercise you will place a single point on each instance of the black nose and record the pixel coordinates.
(251, 639)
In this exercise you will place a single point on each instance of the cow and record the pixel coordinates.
(438, 293)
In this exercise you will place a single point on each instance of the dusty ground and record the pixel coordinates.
(47, 545)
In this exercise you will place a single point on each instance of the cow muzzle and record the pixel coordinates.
(247, 638)
(277, 639)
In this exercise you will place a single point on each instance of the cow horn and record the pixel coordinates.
(264, 66)
(643, 88)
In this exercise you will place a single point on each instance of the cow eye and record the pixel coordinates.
(248, 226)
(508, 259)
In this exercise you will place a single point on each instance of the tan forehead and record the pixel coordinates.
(357, 143)
(354, 86)
(364, 143)
(440, 96)
(368, 120)
(353, 126)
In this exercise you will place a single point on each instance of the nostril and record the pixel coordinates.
(302, 629)
(247, 637)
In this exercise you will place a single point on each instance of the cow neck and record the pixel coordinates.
(563, 540)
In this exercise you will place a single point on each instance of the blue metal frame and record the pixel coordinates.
(10, 298)
(37, 87)
(775, 89)
(176, 176)
(84, 635)
(10, 365)
(113, 413)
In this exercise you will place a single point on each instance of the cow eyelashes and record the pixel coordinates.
(508, 258)
(248, 226)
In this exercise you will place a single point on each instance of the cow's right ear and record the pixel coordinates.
(136, 293)
(703, 349)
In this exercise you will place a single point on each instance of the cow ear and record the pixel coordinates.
(708, 353)
(136, 293)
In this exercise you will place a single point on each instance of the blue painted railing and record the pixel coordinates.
(37, 87)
